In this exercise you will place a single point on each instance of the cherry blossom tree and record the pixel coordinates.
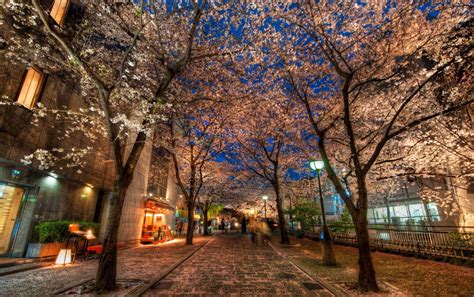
(365, 83)
(214, 191)
(261, 142)
(196, 139)
(376, 90)
(127, 57)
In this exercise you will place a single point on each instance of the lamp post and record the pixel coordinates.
(265, 198)
(329, 258)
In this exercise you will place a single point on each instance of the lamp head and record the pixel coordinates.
(316, 165)
(265, 197)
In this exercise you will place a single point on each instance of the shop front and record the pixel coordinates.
(29, 196)
(12, 200)
(157, 222)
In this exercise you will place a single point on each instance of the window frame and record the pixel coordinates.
(66, 9)
(39, 90)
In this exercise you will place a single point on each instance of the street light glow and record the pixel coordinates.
(316, 165)
(265, 197)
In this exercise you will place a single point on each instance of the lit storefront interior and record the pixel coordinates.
(413, 213)
(157, 222)
(10, 204)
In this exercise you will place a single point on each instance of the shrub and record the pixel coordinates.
(343, 224)
(57, 231)
(305, 212)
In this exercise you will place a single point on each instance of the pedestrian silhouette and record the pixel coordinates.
(223, 226)
(244, 225)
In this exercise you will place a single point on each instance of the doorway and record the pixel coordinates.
(10, 203)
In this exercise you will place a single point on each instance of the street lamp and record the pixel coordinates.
(329, 258)
(265, 198)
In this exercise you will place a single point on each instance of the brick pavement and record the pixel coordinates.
(230, 265)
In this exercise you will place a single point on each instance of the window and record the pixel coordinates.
(59, 10)
(371, 216)
(31, 88)
(401, 212)
(433, 212)
(380, 215)
(417, 211)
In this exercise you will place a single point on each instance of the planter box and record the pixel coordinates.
(39, 250)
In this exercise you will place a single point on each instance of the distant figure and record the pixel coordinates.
(160, 234)
(223, 226)
(197, 226)
(244, 225)
(179, 227)
(253, 229)
(264, 232)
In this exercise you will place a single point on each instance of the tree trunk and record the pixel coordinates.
(205, 222)
(367, 280)
(190, 231)
(285, 239)
(107, 271)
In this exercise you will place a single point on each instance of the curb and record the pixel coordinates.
(330, 288)
(139, 291)
(76, 284)
(27, 268)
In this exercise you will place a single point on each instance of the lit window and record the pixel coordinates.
(433, 211)
(31, 88)
(417, 210)
(58, 11)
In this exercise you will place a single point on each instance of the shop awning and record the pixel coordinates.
(157, 205)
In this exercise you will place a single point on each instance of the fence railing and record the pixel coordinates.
(439, 241)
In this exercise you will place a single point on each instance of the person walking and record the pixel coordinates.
(223, 226)
(264, 232)
(244, 225)
(159, 234)
(179, 227)
(253, 229)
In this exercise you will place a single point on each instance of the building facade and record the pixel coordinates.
(433, 202)
(35, 192)
(436, 201)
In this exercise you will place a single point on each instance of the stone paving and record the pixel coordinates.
(230, 265)
(143, 262)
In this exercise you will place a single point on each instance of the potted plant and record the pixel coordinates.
(52, 236)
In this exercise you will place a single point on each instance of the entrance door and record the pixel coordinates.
(10, 202)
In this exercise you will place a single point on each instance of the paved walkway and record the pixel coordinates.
(144, 262)
(230, 265)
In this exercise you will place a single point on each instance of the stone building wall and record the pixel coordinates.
(57, 193)
(60, 192)
(19, 137)
(133, 209)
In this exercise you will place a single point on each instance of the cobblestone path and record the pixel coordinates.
(230, 265)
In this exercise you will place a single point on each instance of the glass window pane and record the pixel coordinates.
(30, 89)
(58, 11)
(400, 211)
(417, 210)
(380, 214)
(370, 213)
(433, 210)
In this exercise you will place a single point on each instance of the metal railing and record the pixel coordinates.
(435, 241)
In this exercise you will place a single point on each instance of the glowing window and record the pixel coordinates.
(30, 88)
(59, 10)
